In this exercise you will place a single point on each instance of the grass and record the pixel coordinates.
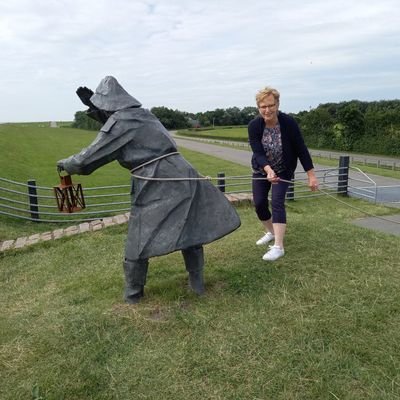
(233, 133)
(40, 147)
(320, 323)
(368, 169)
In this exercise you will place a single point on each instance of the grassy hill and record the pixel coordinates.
(31, 151)
(320, 323)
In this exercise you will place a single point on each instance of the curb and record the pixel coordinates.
(92, 226)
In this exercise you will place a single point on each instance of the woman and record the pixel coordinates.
(277, 144)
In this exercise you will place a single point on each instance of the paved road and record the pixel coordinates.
(363, 158)
(387, 189)
(242, 157)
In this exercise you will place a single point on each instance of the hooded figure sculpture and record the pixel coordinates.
(181, 212)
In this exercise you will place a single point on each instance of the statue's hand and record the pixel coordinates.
(85, 94)
(60, 166)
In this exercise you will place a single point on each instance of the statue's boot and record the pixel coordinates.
(194, 262)
(135, 279)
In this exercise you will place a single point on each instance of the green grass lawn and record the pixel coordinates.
(320, 323)
(233, 133)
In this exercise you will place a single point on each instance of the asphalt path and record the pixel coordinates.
(242, 157)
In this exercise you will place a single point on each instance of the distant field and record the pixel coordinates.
(228, 133)
(31, 151)
(39, 124)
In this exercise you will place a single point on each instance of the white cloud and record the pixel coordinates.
(195, 55)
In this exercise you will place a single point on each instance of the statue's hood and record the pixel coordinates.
(111, 96)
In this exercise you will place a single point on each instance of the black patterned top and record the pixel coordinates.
(272, 143)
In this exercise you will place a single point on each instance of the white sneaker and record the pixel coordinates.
(265, 239)
(274, 253)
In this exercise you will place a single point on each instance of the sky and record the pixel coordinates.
(196, 55)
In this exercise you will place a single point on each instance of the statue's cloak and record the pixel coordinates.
(166, 215)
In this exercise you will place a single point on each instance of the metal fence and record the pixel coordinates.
(32, 202)
(371, 161)
(333, 180)
(363, 186)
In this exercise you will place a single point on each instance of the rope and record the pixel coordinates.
(359, 209)
(153, 160)
(252, 178)
(200, 178)
(148, 178)
(350, 206)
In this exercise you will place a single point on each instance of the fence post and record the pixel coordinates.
(33, 200)
(290, 191)
(343, 178)
(221, 181)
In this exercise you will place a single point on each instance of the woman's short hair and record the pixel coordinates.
(267, 91)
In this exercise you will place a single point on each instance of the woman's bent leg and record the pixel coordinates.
(261, 188)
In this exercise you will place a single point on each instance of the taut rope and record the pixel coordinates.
(209, 178)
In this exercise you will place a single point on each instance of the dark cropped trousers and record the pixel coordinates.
(261, 188)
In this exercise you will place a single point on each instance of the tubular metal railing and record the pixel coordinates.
(369, 191)
(29, 201)
(32, 202)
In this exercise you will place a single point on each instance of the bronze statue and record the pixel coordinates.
(172, 207)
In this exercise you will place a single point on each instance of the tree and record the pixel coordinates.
(352, 119)
(247, 114)
(171, 119)
(82, 121)
(317, 127)
(232, 116)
